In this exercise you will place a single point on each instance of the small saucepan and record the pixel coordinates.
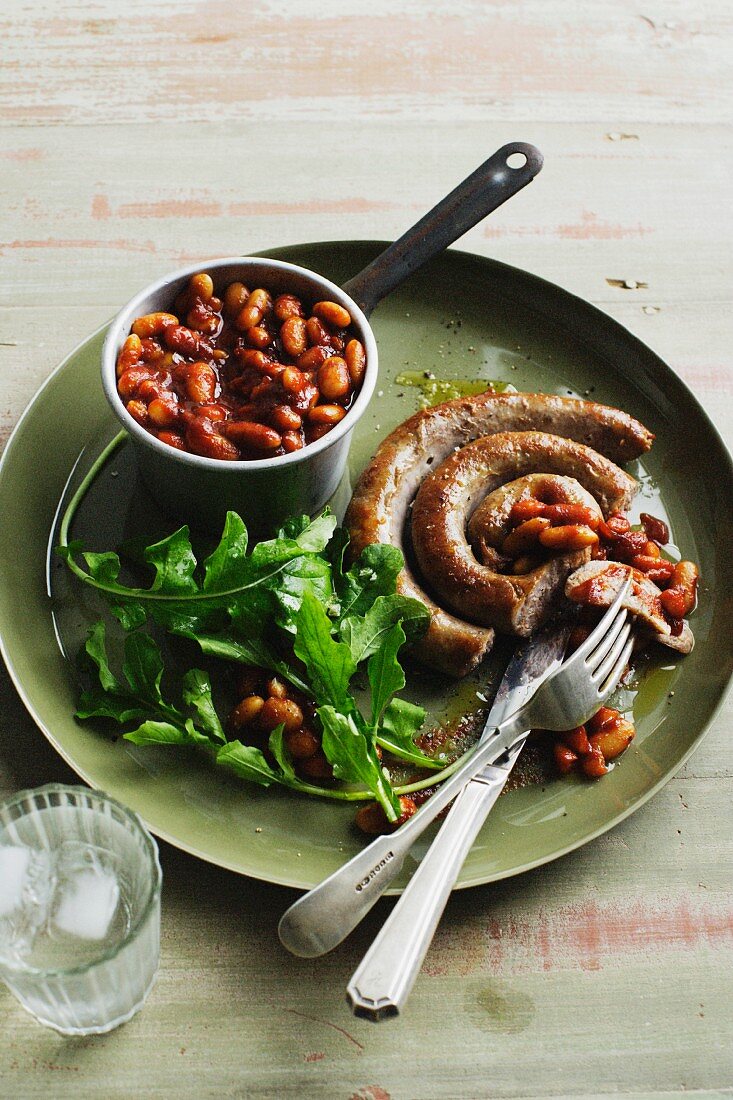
(200, 490)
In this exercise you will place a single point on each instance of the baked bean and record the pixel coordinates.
(253, 359)
(316, 766)
(318, 335)
(246, 711)
(249, 434)
(293, 335)
(572, 514)
(615, 525)
(203, 319)
(593, 764)
(577, 740)
(202, 285)
(333, 379)
(181, 339)
(254, 310)
(565, 758)
(686, 574)
(628, 545)
(317, 431)
(235, 297)
(173, 439)
(614, 741)
(286, 306)
(164, 411)
(241, 359)
(213, 412)
(567, 538)
(293, 441)
(604, 719)
(258, 337)
(525, 509)
(203, 439)
(656, 529)
(153, 324)
(646, 564)
(333, 314)
(130, 355)
(138, 410)
(313, 358)
(150, 388)
(302, 743)
(355, 357)
(199, 380)
(285, 419)
(679, 599)
(127, 383)
(326, 415)
(151, 350)
(276, 689)
(524, 537)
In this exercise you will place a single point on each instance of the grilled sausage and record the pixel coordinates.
(447, 498)
(387, 487)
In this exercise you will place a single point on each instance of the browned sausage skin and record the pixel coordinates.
(448, 497)
(387, 487)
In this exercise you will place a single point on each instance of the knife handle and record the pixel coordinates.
(382, 983)
(322, 918)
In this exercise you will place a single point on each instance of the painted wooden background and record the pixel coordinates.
(135, 136)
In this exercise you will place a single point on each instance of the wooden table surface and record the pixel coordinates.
(136, 137)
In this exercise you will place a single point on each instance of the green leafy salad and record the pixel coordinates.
(288, 605)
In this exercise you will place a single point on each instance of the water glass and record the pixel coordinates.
(80, 885)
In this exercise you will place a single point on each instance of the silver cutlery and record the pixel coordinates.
(409, 930)
(324, 916)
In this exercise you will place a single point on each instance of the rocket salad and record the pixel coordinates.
(288, 605)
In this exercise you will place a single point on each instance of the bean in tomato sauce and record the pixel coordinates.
(240, 374)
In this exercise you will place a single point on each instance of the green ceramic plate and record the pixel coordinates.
(462, 317)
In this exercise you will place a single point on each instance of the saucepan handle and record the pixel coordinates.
(507, 171)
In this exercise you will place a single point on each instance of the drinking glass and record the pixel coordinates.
(80, 884)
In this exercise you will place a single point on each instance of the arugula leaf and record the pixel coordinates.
(235, 646)
(114, 700)
(278, 750)
(385, 672)
(400, 723)
(103, 567)
(96, 649)
(165, 733)
(373, 574)
(140, 698)
(176, 599)
(248, 763)
(353, 756)
(196, 692)
(174, 563)
(328, 663)
(364, 634)
(303, 574)
(225, 565)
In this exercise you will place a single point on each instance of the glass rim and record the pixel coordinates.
(155, 884)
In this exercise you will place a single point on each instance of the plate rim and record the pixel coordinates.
(479, 879)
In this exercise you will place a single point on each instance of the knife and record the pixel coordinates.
(323, 917)
(384, 979)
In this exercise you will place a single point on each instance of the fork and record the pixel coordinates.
(323, 917)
